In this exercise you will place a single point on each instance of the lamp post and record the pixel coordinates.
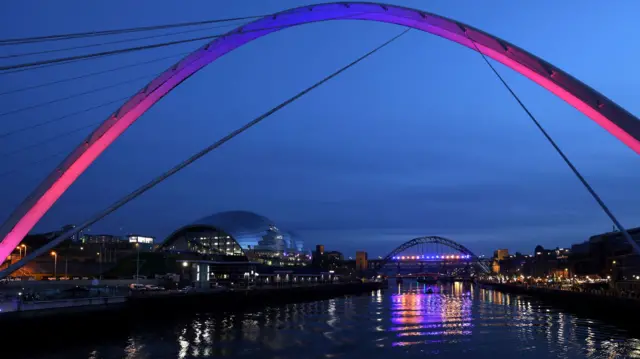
(20, 248)
(100, 263)
(55, 264)
(138, 263)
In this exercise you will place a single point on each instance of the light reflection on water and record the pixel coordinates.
(455, 321)
(425, 316)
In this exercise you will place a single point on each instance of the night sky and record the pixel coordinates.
(419, 139)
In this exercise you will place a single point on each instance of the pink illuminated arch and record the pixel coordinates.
(600, 109)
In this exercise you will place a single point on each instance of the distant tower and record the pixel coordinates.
(318, 256)
(361, 260)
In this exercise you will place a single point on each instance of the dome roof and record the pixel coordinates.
(236, 223)
(246, 228)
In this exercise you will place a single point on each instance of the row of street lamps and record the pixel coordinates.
(54, 254)
(21, 248)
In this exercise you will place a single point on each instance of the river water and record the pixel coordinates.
(457, 321)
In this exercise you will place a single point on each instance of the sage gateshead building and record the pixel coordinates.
(232, 233)
(232, 247)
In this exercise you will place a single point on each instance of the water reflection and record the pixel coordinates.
(414, 320)
(423, 312)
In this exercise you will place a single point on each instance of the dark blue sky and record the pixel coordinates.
(419, 139)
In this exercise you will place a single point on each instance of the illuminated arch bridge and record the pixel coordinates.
(613, 118)
(432, 251)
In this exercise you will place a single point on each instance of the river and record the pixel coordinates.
(457, 321)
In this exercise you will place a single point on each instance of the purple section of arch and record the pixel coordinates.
(610, 116)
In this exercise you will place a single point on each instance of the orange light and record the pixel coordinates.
(53, 253)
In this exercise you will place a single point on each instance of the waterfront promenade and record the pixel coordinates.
(609, 306)
(14, 305)
(116, 294)
(605, 290)
(44, 316)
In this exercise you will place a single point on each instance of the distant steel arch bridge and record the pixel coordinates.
(456, 252)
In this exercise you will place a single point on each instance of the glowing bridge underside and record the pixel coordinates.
(600, 109)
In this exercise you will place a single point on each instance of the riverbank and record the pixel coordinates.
(110, 318)
(242, 299)
(618, 311)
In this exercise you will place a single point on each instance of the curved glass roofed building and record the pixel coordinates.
(230, 233)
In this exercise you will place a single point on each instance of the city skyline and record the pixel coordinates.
(431, 161)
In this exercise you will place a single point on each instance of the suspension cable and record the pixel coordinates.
(79, 94)
(49, 139)
(70, 36)
(71, 48)
(34, 162)
(104, 53)
(91, 74)
(575, 171)
(126, 199)
(63, 60)
(63, 117)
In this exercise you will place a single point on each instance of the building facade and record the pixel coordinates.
(250, 231)
(235, 237)
(607, 255)
(361, 261)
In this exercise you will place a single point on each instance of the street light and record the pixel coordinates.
(55, 264)
(138, 263)
(100, 263)
(20, 248)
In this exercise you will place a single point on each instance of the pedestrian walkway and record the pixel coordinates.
(13, 304)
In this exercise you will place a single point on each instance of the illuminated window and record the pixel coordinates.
(138, 239)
